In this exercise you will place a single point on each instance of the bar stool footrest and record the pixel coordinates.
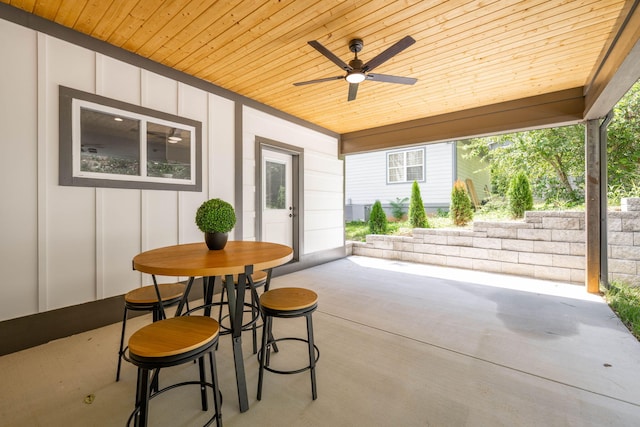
(171, 387)
(292, 371)
(225, 330)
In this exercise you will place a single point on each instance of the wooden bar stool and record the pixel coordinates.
(172, 342)
(146, 299)
(258, 279)
(287, 303)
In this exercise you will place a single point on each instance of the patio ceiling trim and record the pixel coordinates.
(619, 69)
(563, 107)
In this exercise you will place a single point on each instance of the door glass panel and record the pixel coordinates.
(275, 185)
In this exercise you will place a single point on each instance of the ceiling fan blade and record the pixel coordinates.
(353, 91)
(326, 79)
(391, 79)
(389, 53)
(326, 52)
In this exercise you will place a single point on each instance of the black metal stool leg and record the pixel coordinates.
(272, 340)
(222, 293)
(263, 353)
(124, 324)
(267, 285)
(217, 403)
(203, 389)
(142, 398)
(254, 313)
(312, 356)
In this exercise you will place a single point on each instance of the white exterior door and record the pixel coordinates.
(277, 208)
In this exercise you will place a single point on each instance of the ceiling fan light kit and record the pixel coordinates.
(357, 72)
(355, 77)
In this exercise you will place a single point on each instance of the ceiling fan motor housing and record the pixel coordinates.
(356, 45)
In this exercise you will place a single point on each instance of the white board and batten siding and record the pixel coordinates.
(64, 246)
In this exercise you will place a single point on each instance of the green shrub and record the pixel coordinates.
(630, 188)
(520, 196)
(442, 213)
(397, 207)
(417, 215)
(377, 219)
(461, 209)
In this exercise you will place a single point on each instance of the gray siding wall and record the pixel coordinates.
(366, 178)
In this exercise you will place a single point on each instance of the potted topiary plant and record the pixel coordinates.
(215, 218)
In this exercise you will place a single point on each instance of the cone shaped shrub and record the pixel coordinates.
(377, 219)
(461, 210)
(417, 215)
(520, 195)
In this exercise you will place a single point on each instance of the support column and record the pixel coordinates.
(593, 206)
(604, 203)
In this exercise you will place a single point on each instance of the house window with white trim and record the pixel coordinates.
(405, 166)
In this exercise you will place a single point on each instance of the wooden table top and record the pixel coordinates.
(195, 259)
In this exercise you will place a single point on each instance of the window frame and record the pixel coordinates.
(71, 101)
(404, 166)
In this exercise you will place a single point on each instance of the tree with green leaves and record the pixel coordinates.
(461, 210)
(377, 219)
(623, 143)
(554, 157)
(520, 197)
(417, 215)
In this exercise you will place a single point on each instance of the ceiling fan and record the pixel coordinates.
(358, 72)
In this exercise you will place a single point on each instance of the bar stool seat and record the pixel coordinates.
(287, 303)
(146, 299)
(172, 342)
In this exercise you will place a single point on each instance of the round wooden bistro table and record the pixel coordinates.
(196, 260)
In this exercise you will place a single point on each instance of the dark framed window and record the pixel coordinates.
(406, 166)
(109, 143)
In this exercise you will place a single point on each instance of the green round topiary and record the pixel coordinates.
(215, 216)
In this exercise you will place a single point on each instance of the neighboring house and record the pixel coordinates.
(389, 175)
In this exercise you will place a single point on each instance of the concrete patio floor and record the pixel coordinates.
(401, 344)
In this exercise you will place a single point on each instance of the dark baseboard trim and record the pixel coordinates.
(30, 331)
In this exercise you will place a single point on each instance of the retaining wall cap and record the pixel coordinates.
(565, 214)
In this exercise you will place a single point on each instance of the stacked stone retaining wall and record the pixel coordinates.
(546, 245)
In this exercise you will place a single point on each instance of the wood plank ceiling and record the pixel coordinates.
(468, 53)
